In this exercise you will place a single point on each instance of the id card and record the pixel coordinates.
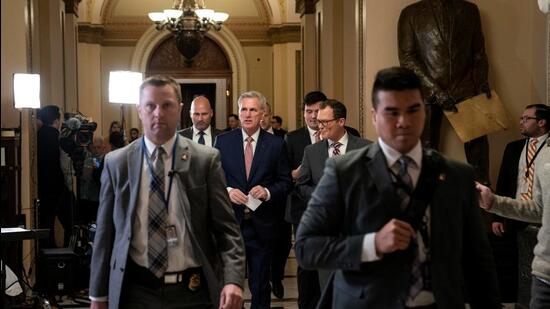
(171, 236)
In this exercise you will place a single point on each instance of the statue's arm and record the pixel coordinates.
(480, 63)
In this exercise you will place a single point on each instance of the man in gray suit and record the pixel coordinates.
(201, 114)
(166, 234)
(399, 224)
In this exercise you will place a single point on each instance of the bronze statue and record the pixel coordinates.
(442, 41)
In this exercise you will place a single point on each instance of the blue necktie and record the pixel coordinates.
(201, 137)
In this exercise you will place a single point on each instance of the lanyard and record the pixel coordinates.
(527, 162)
(150, 168)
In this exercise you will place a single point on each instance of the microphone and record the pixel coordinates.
(73, 124)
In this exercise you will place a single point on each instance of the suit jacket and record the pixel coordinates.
(296, 141)
(279, 132)
(356, 196)
(215, 235)
(313, 165)
(51, 181)
(508, 176)
(269, 169)
(188, 133)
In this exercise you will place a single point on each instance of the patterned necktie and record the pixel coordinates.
(248, 155)
(336, 148)
(157, 247)
(405, 186)
(530, 170)
(201, 137)
(317, 135)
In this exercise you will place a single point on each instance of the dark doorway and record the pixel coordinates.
(189, 92)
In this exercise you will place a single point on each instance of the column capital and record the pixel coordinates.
(305, 6)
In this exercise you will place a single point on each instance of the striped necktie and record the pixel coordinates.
(530, 170)
(336, 148)
(158, 214)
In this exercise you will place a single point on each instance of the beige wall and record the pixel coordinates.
(284, 83)
(260, 70)
(516, 41)
(13, 56)
(89, 81)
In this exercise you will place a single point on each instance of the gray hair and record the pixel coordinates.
(253, 95)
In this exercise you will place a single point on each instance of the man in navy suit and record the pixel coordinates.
(257, 171)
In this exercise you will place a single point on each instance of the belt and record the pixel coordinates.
(192, 278)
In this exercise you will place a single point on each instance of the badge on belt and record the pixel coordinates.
(194, 282)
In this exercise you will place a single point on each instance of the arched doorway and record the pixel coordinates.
(209, 74)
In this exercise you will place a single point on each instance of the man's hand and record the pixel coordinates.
(486, 196)
(231, 297)
(237, 197)
(259, 192)
(296, 173)
(395, 235)
(498, 228)
(99, 305)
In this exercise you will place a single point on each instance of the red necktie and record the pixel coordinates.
(248, 155)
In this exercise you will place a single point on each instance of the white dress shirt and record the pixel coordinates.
(343, 140)
(312, 134)
(180, 256)
(254, 142)
(208, 138)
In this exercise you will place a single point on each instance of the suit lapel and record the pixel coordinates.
(182, 161)
(135, 163)
(380, 177)
(239, 154)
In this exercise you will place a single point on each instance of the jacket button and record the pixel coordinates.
(121, 269)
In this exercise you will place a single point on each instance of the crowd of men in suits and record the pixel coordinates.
(390, 224)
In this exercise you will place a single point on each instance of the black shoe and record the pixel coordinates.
(278, 289)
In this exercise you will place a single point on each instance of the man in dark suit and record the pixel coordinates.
(258, 180)
(336, 141)
(166, 234)
(201, 114)
(51, 183)
(283, 243)
(399, 224)
(277, 124)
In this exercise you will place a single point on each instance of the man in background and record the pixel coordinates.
(202, 131)
(51, 182)
(134, 134)
(232, 122)
(277, 124)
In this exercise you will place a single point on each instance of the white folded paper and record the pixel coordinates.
(253, 202)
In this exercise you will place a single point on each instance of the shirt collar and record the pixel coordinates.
(311, 131)
(206, 131)
(541, 138)
(343, 140)
(393, 155)
(167, 146)
(254, 136)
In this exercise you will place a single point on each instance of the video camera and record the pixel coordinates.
(77, 132)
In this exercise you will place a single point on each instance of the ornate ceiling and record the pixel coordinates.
(122, 22)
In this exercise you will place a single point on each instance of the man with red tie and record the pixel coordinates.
(258, 181)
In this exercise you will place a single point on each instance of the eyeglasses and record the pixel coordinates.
(324, 123)
(525, 118)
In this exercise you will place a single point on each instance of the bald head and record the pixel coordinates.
(201, 113)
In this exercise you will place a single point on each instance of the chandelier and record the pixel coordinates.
(188, 21)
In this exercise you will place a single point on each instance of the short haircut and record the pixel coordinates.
(278, 119)
(338, 108)
(234, 116)
(48, 114)
(201, 96)
(134, 130)
(161, 81)
(395, 79)
(312, 98)
(252, 95)
(541, 112)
